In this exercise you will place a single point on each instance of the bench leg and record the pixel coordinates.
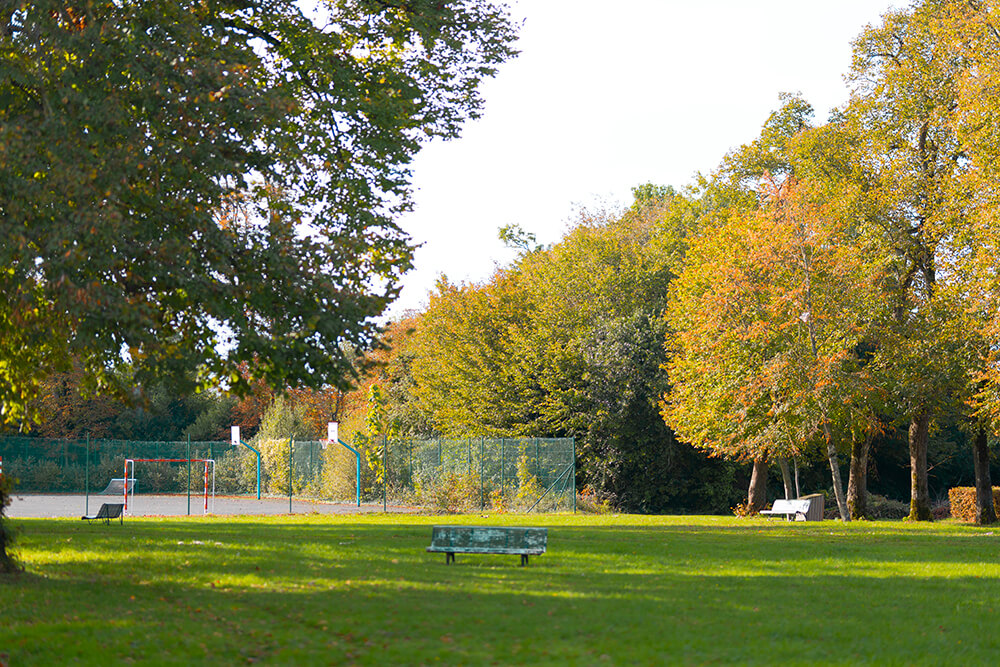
(524, 559)
(449, 557)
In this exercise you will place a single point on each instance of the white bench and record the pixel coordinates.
(790, 509)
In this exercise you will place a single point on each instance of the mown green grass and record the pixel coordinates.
(611, 590)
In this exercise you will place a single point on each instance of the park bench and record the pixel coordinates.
(108, 512)
(806, 508)
(488, 540)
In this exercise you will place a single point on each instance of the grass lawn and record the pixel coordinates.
(311, 589)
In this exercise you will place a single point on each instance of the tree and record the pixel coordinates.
(471, 377)
(905, 87)
(568, 342)
(767, 318)
(199, 185)
(971, 286)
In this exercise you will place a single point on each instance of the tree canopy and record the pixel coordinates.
(196, 186)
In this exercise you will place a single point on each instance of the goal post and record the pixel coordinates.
(129, 489)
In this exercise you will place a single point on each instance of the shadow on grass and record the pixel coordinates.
(301, 592)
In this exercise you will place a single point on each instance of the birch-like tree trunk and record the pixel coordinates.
(786, 478)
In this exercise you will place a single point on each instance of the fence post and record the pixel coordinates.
(503, 486)
(572, 486)
(188, 449)
(86, 476)
(482, 486)
(289, 474)
(385, 471)
(538, 464)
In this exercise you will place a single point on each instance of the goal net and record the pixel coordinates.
(207, 472)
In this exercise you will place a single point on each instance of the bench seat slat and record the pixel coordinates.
(484, 550)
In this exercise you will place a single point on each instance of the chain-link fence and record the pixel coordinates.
(502, 474)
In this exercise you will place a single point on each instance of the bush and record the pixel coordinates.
(591, 501)
(451, 493)
(963, 502)
(339, 475)
(529, 489)
(880, 507)
(275, 467)
(236, 472)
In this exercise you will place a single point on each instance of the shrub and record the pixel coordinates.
(339, 475)
(963, 502)
(880, 507)
(454, 492)
(529, 489)
(236, 471)
(591, 501)
(160, 477)
(275, 455)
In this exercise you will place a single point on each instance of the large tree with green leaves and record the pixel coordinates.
(905, 78)
(197, 185)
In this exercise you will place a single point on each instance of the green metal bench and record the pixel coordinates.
(107, 512)
(524, 542)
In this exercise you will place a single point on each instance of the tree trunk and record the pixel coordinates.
(798, 489)
(985, 511)
(857, 480)
(838, 484)
(757, 495)
(786, 478)
(920, 500)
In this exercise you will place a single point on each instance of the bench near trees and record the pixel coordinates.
(806, 508)
(524, 542)
(107, 512)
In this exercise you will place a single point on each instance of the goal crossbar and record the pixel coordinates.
(130, 488)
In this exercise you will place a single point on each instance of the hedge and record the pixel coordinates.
(963, 502)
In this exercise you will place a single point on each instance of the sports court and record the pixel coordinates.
(76, 505)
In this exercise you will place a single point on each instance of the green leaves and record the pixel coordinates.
(213, 184)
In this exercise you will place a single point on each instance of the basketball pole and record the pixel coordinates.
(236, 442)
(333, 435)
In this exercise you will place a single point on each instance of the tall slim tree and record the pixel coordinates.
(904, 96)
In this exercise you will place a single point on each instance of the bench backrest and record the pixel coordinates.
(489, 538)
(110, 511)
(790, 506)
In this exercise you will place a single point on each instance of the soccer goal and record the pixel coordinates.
(209, 466)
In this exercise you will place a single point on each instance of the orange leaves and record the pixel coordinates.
(752, 372)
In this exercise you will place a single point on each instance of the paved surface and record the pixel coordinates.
(52, 506)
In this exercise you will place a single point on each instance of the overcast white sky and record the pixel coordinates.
(608, 95)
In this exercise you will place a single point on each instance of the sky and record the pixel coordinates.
(605, 96)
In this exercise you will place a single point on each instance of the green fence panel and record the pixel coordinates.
(510, 474)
